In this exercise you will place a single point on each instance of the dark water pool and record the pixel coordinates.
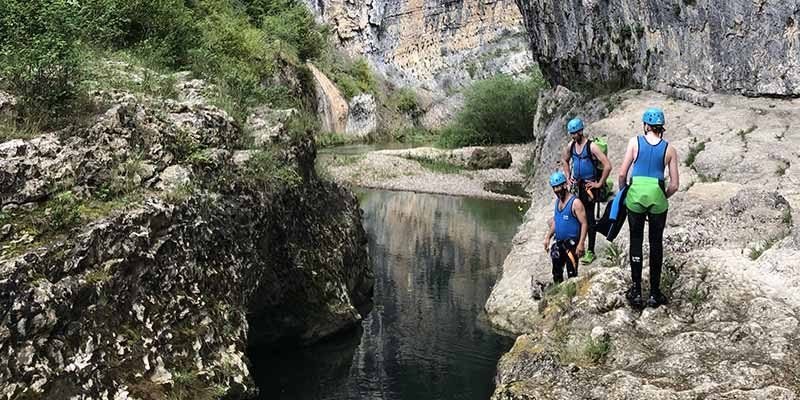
(435, 259)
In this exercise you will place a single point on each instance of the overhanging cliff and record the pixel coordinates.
(735, 46)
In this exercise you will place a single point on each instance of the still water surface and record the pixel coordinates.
(435, 260)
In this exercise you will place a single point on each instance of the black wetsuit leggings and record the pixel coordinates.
(656, 236)
(564, 259)
(590, 208)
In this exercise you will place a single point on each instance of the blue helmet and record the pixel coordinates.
(557, 178)
(574, 125)
(653, 116)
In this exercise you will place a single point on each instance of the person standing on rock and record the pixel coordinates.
(580, 160)
(569, 227)
(647, 156)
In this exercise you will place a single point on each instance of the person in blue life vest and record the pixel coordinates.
(580, 163)
(569, 227)
(646, 157)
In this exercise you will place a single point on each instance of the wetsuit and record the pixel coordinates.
(584, 171)
(646, 199)
(567, 232)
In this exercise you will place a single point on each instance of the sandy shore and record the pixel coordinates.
(400, 170)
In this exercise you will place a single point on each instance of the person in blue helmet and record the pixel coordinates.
(579, 161)
(645, 160)
(569, 227)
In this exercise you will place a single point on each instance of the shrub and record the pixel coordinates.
(497, 110)
(39, 58)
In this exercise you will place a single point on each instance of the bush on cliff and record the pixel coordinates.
(497, 110)
(39, 58)
(249, 49)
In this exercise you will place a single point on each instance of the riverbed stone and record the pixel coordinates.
(490, 157)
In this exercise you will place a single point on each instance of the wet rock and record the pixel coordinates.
(489, 157)
(331, 105)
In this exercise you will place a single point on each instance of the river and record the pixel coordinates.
(435, 260)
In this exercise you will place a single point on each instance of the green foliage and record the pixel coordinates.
(414, 136)
(595, 351)
(264, 171)
(63, 212)
(330, 139)
(404, 100)
(612, 256)
(497, 110)
(39, 58)
(439, 166)
(694, 150)
(351, 77)
(188, 385)
(17, 129)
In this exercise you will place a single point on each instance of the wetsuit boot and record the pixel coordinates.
(657, 299)
(634, 296)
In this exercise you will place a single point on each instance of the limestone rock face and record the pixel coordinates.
(739, 46)
(489, 157)
(197, 257)
(439, 46)
(362, 118)
(731, 329)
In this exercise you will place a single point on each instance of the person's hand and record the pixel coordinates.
(580, 250)
(547, 245)
(593, 185)
(571, 181)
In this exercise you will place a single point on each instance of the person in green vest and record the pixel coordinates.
(580, 162)
(646, 157)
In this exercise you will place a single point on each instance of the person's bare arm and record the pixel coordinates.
(674, 177)
(550, 231)
(580, 213)
(565, 160)
(606, 165)
(630, 153)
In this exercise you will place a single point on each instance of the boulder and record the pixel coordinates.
(488, 158)
(362, 118)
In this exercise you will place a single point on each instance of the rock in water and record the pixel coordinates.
(740, 46)
(489, 157)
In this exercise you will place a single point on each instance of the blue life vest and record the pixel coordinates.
(583, 168)
(567, 224)
(650, 159)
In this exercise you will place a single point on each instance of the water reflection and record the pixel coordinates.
(435, 260)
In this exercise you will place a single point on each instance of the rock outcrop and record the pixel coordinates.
(732, 328)
(490, 157)
(362, 118)
(738, 46)
(141, 257)
(437, 46)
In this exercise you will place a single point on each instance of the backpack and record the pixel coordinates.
(602, 144)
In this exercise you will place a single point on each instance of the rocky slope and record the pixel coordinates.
(739, 46)
(732, 330)
(143, 255)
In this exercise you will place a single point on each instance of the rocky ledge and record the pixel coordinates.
(732, 329)
(737, 46)
(142, 256)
